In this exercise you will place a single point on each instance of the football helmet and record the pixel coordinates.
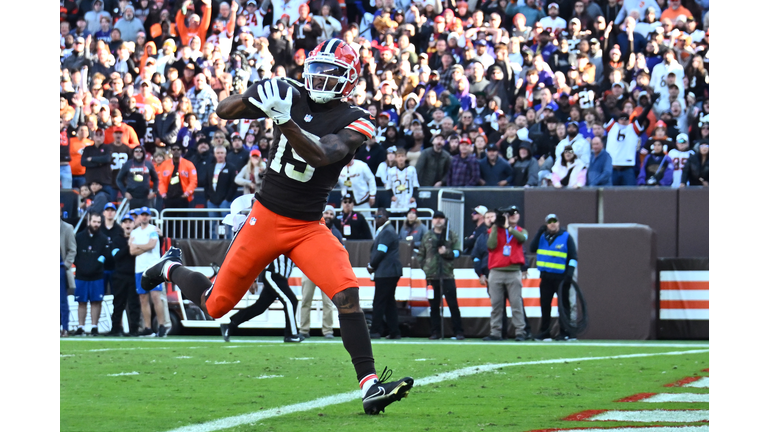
(331, 71)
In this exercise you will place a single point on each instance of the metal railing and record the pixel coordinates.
(194, 223)
(397, 221)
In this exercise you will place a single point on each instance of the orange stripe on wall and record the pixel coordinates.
(684, 304)
(481, 302)
(684, 285)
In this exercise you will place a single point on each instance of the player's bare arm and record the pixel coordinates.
(325, 151)
(235, 107)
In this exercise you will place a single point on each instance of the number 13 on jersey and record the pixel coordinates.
(290, 166)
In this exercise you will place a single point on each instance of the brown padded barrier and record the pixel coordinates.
(617, 276)
(571, 206)
(693, 223)
(655, 207)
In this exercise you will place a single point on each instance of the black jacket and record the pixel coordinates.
(358, 227)
(167, 127)
(92, 252)
(112, 234)
(201, 161)
(373, 157)
(238, 159)
(99, 167)
(125, 263)
(136, 120)
(469, 241)
(480, 252)
(385, 253)
(225, 185)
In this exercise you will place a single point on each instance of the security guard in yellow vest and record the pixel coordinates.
(556, 260)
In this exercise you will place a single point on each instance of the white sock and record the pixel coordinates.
(94, 327)
(368, 382)
(80, 327)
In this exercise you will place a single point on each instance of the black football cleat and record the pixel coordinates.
(158, 273)
(383, 393)
(225, 332)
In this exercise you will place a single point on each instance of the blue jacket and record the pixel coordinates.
(600, 171)
(496, 173)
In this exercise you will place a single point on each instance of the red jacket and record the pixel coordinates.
(496, 258)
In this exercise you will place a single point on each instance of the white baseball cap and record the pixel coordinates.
(481, 210)
(329, 208)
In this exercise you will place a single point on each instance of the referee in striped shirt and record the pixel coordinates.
(275, 281)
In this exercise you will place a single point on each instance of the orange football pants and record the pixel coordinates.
(265, 236)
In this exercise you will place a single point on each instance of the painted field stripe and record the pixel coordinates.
(682, 382)
(704, 428)
(684, 275)
(255, 340)
(250, 418)
(655, 416)
(702, 383)
(677, 397)
(637, 397)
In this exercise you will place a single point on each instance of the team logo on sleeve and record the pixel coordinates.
(253, 221)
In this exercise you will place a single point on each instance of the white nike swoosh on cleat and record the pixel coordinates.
(378, 393)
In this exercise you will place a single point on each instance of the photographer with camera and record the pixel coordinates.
(556, 260)
(505, 261)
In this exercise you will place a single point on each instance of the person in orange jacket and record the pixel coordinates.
(198, 26)
(177, 180)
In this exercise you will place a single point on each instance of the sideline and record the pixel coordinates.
(230, 422)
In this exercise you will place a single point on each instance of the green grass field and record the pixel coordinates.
(189, 382)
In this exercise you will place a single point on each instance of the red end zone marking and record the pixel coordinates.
(637, 397)
(705, 370)
(581, 416)
(683, 382)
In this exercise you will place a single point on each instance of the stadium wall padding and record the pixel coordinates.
(617, 276)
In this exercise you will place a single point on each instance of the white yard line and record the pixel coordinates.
(414, 341)
(230, 422)
(677, 397)
(702, 383)
(654, 416)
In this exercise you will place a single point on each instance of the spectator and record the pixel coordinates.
(372, 153)
(403, 181)
(177, 180)
(198, 26)
(576, 141)
(657, 169)
(202, 97)
(696, 170)
(167, 124)
(674, 10)
(135, 118)
(552, 23)
(495, 171)
(662, 70)
(92, 252)
(220, 187)
(67, 253)
(412, 230)
(144, 244)
(530, 11)
(569, 171)
(679, 156)
(111, 230)
(357, 178)
(600, 170)
(93, 16)
(129, 25)
(350, 223)
(134, 179)
(386, 269)
(436, 254)
(306, 30)
(329, 25)
(250, 176)
(77, 146)
(129, 136)
(621, 144)
(119, 154)
(124, 283)
(384, 169)
(238, 156)
(526, 168)
(464, 169)
(65, 170)
(202, 158)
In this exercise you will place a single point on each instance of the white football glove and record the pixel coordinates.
(275, 107)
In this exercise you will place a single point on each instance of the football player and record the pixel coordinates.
(287, 215)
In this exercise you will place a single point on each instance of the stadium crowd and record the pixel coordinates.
(532, 93)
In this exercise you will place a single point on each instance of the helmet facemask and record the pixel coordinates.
(327, 78)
